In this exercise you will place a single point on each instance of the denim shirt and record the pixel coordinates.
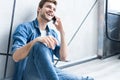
(25, 33)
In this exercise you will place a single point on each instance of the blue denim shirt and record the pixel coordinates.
(25, 33)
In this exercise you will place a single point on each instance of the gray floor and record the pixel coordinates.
(105, 69)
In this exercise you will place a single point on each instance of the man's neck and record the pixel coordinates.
(42, 24)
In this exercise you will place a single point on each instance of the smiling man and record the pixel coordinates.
(35, 43)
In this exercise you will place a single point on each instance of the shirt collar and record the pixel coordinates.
(36, 24)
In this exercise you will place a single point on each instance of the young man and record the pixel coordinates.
(34, 45)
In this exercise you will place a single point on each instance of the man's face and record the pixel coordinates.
(47, 12)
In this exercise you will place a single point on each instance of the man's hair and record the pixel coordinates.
(42, 2)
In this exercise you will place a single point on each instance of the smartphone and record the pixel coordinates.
(54, 19)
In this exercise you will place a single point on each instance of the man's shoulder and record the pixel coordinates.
(25, 25)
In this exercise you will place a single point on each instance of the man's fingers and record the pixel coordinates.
(49, 41)
(52, 42)
(53, 39)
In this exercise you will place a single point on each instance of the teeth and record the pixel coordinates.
(49, 14)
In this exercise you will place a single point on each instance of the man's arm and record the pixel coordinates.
(63, 47)
(22, 52)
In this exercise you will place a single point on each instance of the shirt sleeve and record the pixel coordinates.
(57, 48)
(19, 37)
(57, 51)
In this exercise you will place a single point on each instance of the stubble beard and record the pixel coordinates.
(45, 18)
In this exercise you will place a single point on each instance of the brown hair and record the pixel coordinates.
(42, 2)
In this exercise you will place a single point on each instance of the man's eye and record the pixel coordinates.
(48, 6)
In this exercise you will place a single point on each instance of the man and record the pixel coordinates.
(34, 45)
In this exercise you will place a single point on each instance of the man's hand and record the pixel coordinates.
(49, 41)
(58, 25)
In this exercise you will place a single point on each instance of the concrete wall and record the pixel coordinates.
(72, 13)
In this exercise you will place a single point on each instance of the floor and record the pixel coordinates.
(100, 69)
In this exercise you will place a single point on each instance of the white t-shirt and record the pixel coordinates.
(43, 33)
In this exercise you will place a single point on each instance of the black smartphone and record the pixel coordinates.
(54, 19)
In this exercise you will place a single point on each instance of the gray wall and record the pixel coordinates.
(6, 7)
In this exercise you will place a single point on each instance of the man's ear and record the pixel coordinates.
(38, 8)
